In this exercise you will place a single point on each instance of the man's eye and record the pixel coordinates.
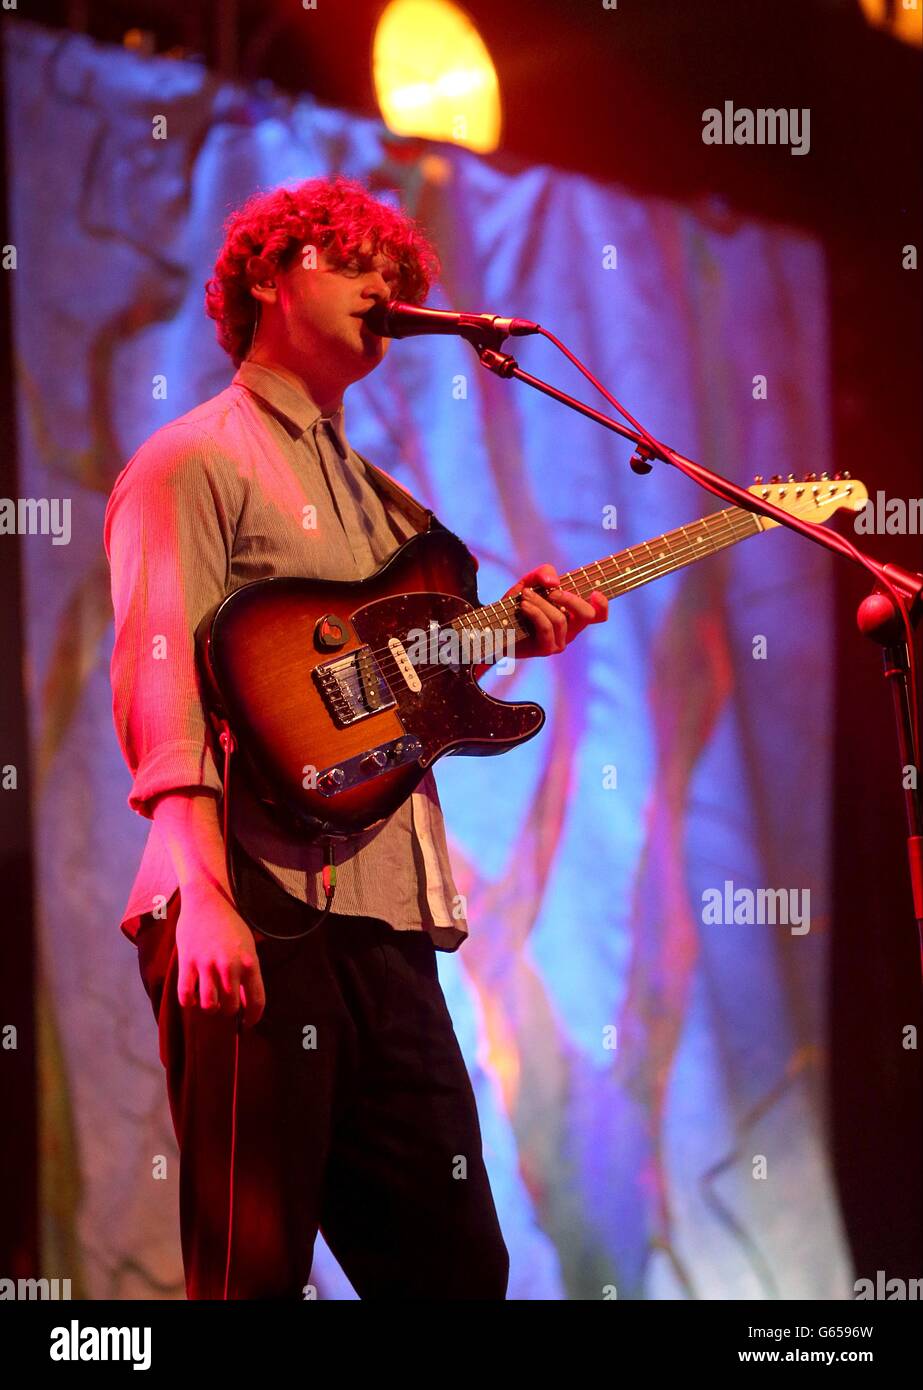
(357, 266)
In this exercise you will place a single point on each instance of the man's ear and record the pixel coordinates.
(267, 291)
(262, 280)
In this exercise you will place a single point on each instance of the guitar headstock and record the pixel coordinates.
(811, 497)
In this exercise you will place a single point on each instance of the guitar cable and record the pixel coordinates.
(229, 745)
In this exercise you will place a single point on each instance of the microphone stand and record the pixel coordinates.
(877, 617)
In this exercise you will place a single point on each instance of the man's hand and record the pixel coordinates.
(219, 968)
(557, 618)
(218, 961)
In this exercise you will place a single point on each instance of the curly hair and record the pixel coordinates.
(336, 215)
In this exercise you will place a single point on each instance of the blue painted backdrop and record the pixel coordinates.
(651, 1088)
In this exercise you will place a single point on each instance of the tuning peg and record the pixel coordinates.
(810, 477)
(776, 478)
(825, 476)
(791, 477)
(757, 477)
(846, 473)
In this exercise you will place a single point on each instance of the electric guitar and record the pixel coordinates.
(341, 694)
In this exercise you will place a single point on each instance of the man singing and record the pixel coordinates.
(315, 1080)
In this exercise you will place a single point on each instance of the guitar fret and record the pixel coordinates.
(634, 566)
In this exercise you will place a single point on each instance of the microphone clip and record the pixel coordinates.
(502, 364)
(640, 460)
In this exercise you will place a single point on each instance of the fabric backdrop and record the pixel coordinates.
(652, 1089)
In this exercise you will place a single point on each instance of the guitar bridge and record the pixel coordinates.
(353, 686)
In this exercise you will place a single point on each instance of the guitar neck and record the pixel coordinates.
(631, 568)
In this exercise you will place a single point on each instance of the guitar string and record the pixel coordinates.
(736, 525)
(389, 664)
(635, 574)
(633, 577)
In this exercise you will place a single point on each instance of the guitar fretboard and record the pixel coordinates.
(629, 569)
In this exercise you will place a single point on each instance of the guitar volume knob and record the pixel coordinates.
(332, 779)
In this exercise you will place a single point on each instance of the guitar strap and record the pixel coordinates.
(420, 517)
(423, 519)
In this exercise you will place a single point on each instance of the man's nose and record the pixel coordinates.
(377, 288)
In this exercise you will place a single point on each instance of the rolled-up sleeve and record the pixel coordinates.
(169, 536)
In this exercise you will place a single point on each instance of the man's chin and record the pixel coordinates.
(374, 347)
(355, 351)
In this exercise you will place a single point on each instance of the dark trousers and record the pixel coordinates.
(354, 1115)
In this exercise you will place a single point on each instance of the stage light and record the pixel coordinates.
(899, 18)
(433, 75)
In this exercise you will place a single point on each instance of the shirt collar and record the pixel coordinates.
(294, 404)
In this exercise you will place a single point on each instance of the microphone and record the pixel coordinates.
(399, 320)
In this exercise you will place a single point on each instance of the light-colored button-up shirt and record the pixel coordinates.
(253, 483)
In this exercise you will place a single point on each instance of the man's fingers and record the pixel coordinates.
(209, 991)
(546, 575)
(229, 987)
(225, 985)
(582, 611)
(254, 995)
(187, 983)
(574, 604)
(549, 622)
(561, 616)
(600, 605)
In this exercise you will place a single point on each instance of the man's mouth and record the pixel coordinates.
(364, 317)
(369, 338)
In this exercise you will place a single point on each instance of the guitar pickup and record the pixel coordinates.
(369, 679)
(353, 686)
